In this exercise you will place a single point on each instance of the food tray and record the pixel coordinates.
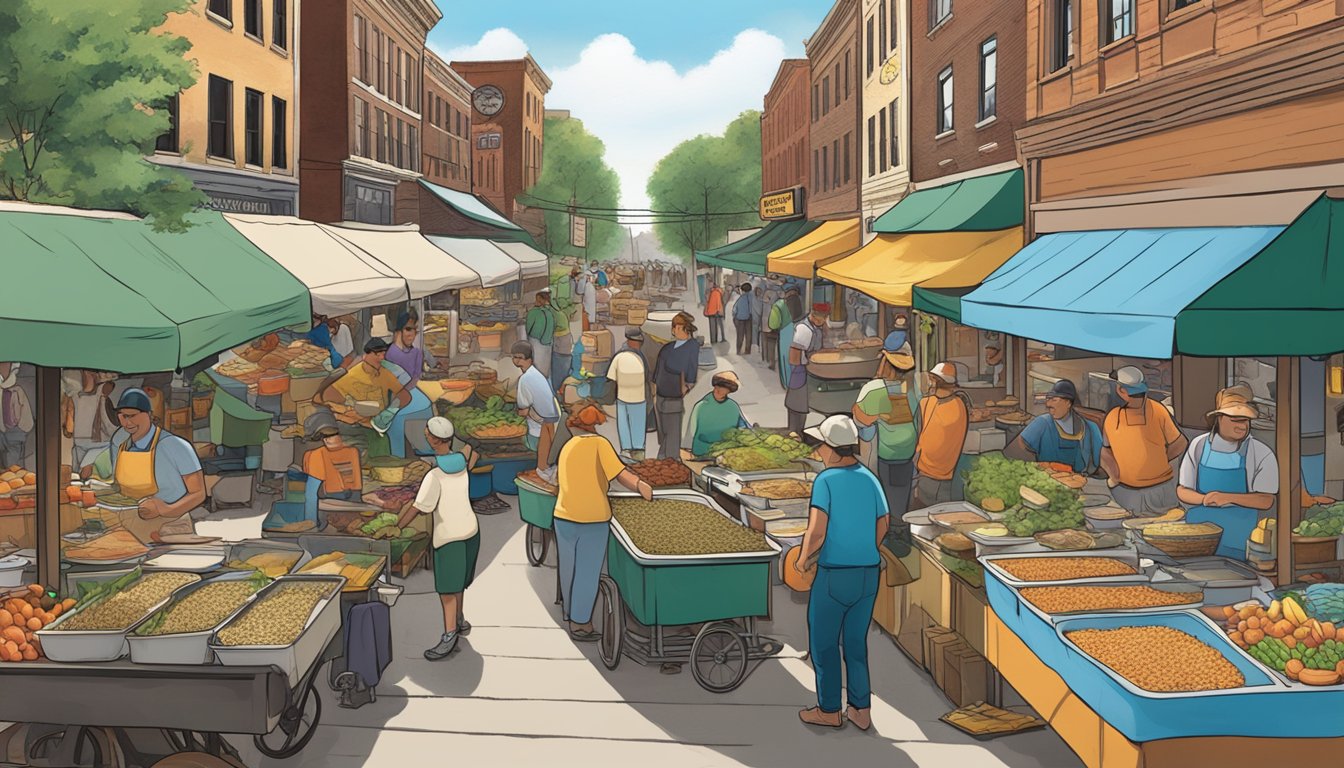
(187, 647)
(730, 482)
(644, 558)
(994, 541)
(244, 550)
(296, 658)
(90, 645)
(1127, 555)
(1053, 618)
(321, 544)
(923, 527)
(1258, 678)
(189, 560)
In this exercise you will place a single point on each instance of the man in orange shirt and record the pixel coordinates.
(944, 418)
(714, 312)
(1140, 441)
(333, 468)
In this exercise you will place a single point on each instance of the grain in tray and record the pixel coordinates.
(1073, 599)
(203, 609)
(277, 618)
(1159, 659)
(121, 610)
(676, 527)
(1063, 568)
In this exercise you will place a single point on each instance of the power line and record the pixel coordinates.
(656, 218)
(566, 208)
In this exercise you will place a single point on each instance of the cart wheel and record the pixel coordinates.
(297, 726)
(719, 658)
(537, 545)
(611, 615)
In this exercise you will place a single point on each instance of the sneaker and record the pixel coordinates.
(463, 626)
(447, 644)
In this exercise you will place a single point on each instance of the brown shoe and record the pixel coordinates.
(863, 718)
(815, 716)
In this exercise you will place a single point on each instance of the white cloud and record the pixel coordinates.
(498, 44)
(641, 109)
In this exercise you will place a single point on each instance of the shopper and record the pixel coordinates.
(758, 308)
(714, 312)
(847, 522)
(92, 419)
(630, 373)
(885, 412)
(1227, 476)
(413, 360)
(587, 465)
(674, 373)
(538, 406)
(1060, 435)
(784, 315)
(715, 414)
(562, 346)
(742, 311)
(539, 326)
(809, 337)
(444, 493)
(16, 417)
(1140, 441)
(944, 419)
(367, 379)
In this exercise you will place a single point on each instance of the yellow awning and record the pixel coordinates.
(890, 267)
(829, 242)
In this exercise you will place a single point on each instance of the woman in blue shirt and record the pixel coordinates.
(1060, 435)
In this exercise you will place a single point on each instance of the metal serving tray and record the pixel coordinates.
(923, 527)
(186, 647)
(730, 482)
(297, 657)
(644, 558)
(1126, 555)
(92, 645)
(188, 559)
(251, 547)
(1054, 618)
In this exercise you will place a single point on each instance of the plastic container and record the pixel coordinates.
(1128, 556)
(273, 383)
(183, 648)
(296, 658)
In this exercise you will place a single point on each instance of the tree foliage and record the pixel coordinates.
(709, 175)
(77, 78)
(574, 167)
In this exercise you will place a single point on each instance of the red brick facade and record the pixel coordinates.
(786, 152)
(835, 134)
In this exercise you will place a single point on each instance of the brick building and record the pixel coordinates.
(967, 82)
(360, 121)
(833, 52)
(785, 149)
(445, 126)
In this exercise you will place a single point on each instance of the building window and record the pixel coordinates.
(220, 138)
(939, 10)
(835, 163)
(361, 127)
(895, 37)
(870, 47)
(945, 100)
(826, 95)
(894, 134)
(847, 68)
(377, 60)
(1177, 5)
(413, 138)
(279, 133)
(253, 118)
(221, 8)
(882, 29)
(816, 103)
(280, 24)
(361, 51)
(816, 167)
(989, 78)
(837, 83)
(380, 149)
(168, 140)
(847, 158)
(1062, 47)
(825, 168)
(872, 145)
(1120, 13)
(400, 96)
(252, 18)
(882, 134)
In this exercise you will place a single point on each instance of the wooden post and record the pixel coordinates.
(1287, 428)
(47, 427)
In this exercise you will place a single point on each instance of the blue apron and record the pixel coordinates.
(1225, 472)
(1057, 447)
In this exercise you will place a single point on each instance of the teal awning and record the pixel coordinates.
(750, 254)
(943, 302)
(106, 292)
(477, 210)
(981, 204)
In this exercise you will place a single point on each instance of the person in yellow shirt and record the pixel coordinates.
(367, 379)
(1140, 440)
(944, 418)
(587, 465)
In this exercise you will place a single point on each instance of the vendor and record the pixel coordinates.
(413, 360)
(367, 379)
(320, 336)
(1060, 435)
(944, 419)
(159, 469)
(456, 536)
(538, 407)
(809, 337)
(333, 469)
(715, 414)
(587, 465)
(885, 411)
(1139, 442)
(1228, 477)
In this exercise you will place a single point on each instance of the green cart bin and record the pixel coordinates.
(536, 506)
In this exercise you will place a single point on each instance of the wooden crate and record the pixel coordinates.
(966, 679)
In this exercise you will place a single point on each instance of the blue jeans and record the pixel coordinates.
(630, 425)
(581, 548)
(839, 610)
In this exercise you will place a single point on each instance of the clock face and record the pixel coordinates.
(488, 100)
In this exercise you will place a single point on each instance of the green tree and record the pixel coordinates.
(574, 167)
(77, 78)
(705, 179)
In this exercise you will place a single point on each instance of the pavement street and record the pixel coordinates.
(519, 691)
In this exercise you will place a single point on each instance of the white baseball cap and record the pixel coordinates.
(440, 428)
(836, 431)
(945, 371)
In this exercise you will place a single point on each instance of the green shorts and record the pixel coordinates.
(455, 565)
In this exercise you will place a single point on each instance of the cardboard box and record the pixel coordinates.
(985, 440)
(932, 650)
(939, 646)
(911, 637)
(887, 609)
(598, 342)
(967, 676)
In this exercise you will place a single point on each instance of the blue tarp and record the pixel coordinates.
(1111, 291)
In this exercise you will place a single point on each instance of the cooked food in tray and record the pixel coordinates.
(1159, 659)
(1063, 568)
(1096, 598)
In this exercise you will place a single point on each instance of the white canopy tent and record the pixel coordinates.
(485, 258)
(427, 269)
(534, 263)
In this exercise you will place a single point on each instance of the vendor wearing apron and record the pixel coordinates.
(333, 469)
(715, 414)
(808, 339)
(367, 379)
(1227, 476)
(159, 469)
(1060, 435)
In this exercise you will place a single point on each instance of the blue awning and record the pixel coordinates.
(1113, 291)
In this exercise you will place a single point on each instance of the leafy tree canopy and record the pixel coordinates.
(77, 81)
(574, 167)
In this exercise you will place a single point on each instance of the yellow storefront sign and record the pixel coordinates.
(785, 204)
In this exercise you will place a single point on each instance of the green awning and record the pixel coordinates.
(474, 208)
(944, 302)
(749, 254)
(106, 292)
(1287, 300)
(981, 204)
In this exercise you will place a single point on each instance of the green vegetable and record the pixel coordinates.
(1322, 521)
(994, 475)
(383, 520)
(750, 450)
(496, 413)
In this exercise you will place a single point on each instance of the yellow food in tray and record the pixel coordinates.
(359, 569)
(1181, 529)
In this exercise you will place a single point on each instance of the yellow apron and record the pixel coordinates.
(135, 478)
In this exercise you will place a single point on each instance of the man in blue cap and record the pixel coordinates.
(157, 468)
(1060, 435)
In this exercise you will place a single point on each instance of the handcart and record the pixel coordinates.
(643, 596)
(536, 507)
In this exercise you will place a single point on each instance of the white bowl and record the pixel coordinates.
(11, 570)
(368, 408)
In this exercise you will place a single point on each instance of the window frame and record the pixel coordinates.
(170, 140)
(837, 83)
(1061, 34)
(361, 44)
(882, 28)
(872, 145)
(361, 110)
(214, 8)
(1117, 26)
(280, 24)
(882, 166)
(847, 145)
(894, 151)
(225, 122)
(251, 13)
(825, 95)
(935, 18)
(251, 99)
(988, 102)
(279, 133)
(871, 54)
(946, 110)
